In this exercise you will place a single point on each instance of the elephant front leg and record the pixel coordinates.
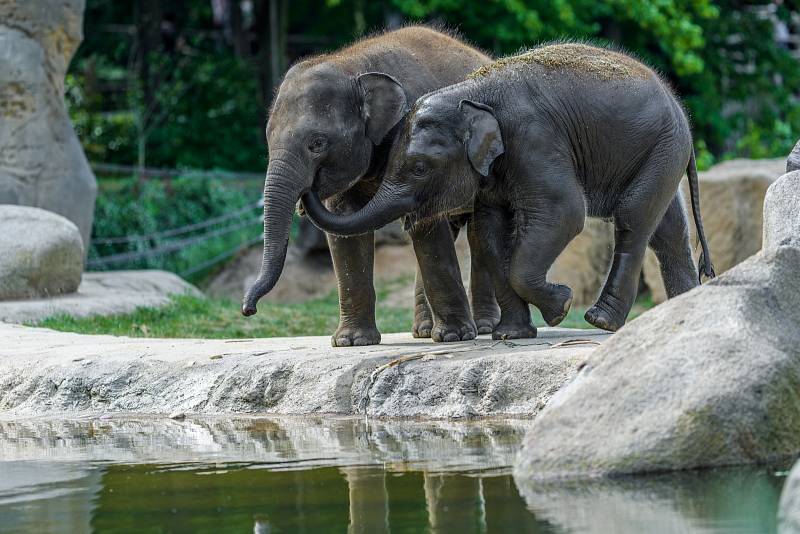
(485, 310)
(441, 277)
(352, 262)
(490, 246)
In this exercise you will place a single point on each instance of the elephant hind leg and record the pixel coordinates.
(672, 246)
(638, 213)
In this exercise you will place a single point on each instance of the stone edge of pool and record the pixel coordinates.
(44, 372)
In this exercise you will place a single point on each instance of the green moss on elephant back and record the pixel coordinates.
(598, 62)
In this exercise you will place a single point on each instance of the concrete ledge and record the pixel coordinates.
(103, 293)
(48, 373)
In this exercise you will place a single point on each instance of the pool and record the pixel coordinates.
(266, 475)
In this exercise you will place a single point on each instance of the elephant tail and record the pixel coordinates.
(705, 267)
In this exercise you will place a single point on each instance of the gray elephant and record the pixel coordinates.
(330, 129)
(540, 141)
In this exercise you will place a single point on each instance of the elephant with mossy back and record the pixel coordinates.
(539, 141)
(330, 130)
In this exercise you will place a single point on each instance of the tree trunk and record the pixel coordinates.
(147, 16)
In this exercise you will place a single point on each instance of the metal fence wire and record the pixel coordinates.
(172, 240)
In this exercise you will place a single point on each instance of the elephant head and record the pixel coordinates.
(445, 151)
(323, 128)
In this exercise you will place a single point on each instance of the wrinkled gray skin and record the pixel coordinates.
(329, 131)
(540, 145)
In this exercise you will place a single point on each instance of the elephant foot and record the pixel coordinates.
(486, 325)
(605, 317)
(464, 330)
(348, 336)
(514, 330)
(422, 327)
(558, 307)
(487, 321)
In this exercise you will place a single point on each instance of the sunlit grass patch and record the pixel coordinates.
(193, 317)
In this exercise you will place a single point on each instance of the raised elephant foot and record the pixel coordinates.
(604, 317)
(558, 307)
(512, 330)
(348, 336)
(454, 331)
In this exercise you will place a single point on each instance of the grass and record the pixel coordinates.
(192, 317)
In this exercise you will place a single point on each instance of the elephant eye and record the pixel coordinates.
(317, 144)
(419, 168)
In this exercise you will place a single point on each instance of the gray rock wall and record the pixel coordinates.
(42, 163)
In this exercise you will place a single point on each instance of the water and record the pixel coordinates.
(339, 475)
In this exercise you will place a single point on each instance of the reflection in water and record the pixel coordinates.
(743, 499)
(336, 475)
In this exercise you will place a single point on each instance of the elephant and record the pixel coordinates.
(330, 130)
(539, 141)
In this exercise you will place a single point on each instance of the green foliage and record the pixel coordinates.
(738, 84)
(128, 207)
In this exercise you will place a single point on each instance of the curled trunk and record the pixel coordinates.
(384, 208)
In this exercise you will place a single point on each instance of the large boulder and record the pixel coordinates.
(41, 254)
(782, 212)
(731, 199)
(793, 163)
(789, 509)
(709, 378)
(42, 163)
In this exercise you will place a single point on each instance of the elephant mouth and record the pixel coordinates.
(326, 186)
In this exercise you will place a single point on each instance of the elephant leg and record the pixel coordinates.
(672, 246)
(485, 310)
(441, 277)
(490, 246)
(423, 318)
(352, 263)
(639, 211)
(544, 229)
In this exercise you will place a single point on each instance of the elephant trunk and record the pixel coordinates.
(282, 188)
(382, 209)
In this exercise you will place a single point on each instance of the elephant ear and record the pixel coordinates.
(483, 140)
(383, 104)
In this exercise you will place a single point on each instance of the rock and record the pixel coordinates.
(41, 254)
(284, 376)
(789, 509)
(42, 163)
(709, 378)
(104, 293)
(584, 264)
(782, 212)
(731, 200)
(793, 162)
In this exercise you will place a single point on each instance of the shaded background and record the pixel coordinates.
(164, 88)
